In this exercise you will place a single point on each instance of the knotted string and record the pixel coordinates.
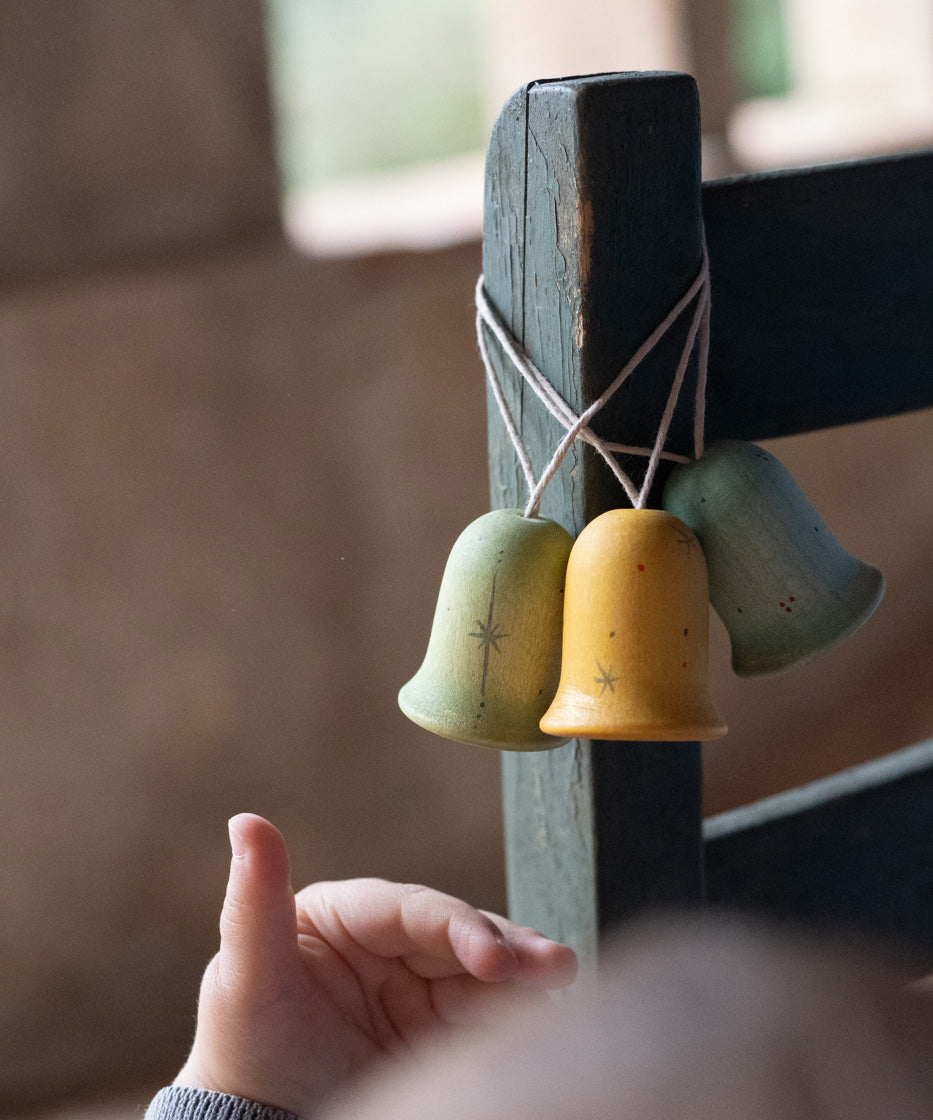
(577, 427)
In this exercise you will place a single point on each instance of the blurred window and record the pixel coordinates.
(377, 102)
(366, 86)
(758, 48)
(384, 107)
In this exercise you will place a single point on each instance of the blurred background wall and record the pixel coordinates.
(242, 420)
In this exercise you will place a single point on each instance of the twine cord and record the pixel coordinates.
(577, 427)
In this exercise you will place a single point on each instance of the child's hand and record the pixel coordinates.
(306, 991)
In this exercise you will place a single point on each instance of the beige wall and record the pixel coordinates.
(229, 488)
(229, 478)
(130, 128)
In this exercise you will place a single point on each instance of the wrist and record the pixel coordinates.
(194, 1077)
(269, 1098)
(182, 1102)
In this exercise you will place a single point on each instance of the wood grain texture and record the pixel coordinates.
(591, 234)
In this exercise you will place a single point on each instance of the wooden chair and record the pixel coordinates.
(822, 285)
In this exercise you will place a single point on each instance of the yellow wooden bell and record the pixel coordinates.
(493, 658)
(636, 633)
(782, 585)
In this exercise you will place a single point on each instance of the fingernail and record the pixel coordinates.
(502, 943)
(237, 843)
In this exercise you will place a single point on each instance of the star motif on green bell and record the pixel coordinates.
(489, 636)
(502, 593)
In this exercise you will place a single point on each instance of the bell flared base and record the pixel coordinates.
(473, 725)
(775, 652)
(576, 716)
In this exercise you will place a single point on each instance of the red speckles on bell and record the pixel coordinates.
(761, 536)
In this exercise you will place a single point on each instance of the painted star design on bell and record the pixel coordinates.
(489, 635)
(606, 679)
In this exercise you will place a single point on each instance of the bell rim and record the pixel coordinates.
(652, 733)
(448, 729)
(759, 664)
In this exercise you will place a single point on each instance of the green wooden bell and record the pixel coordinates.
(493, 658)
(783, 587)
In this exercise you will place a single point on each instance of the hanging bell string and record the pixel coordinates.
(673, 397)
(700, 285)
(486, 314)
(553, 401)
(577, 427)
(699, 411)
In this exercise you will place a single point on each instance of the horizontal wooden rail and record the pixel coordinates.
(853, 851)
(822, 284)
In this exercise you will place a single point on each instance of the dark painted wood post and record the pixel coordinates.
(592, 233)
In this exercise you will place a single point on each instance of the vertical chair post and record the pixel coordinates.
(592, 233)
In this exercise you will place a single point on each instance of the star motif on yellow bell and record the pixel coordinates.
(633, 575)
(606, 679)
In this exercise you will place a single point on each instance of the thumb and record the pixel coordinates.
(258, 925)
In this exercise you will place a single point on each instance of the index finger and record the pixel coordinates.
(435, 934)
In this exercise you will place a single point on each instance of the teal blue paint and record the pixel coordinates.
(782, 585)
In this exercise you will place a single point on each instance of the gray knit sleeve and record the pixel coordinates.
(177, 1103)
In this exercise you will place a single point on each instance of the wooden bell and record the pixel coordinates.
(783, 587)
(636, 633)
(493, 658)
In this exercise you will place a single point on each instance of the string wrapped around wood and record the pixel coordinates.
(577, 427)
(538, 638)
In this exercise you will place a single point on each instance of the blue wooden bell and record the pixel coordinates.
(783, 587)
